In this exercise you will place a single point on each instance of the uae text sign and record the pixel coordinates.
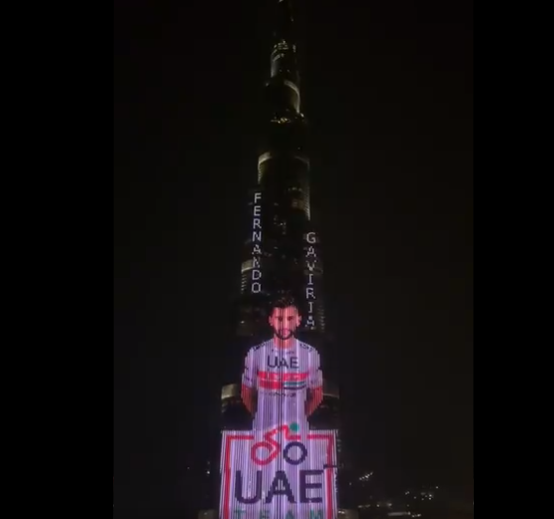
(281, 473)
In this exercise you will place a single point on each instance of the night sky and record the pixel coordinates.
(388, 90)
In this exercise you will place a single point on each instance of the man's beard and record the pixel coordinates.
(280, 335)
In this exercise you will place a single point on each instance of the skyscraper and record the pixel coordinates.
(286, 464)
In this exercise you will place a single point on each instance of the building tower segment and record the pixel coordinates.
(281, 252)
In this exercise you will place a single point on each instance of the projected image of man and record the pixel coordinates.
(282, 380)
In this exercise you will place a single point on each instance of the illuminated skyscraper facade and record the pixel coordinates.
(280, 442)
(281, 251)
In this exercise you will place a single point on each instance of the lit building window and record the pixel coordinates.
(282, 45)
(281, 120)
(247, 265)
(298, 204)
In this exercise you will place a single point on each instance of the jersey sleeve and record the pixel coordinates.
(250, 373)
(315, 376)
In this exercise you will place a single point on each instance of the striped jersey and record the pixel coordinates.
(281, 377)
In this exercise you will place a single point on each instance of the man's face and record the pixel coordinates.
(284, 322)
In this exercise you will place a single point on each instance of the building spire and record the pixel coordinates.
(284, 20)
(284, 66)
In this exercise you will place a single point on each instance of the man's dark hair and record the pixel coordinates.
(284, 302)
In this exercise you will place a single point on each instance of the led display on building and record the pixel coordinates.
(280, 469)
(256, 283)
(278, 474)
(280, 466)
(311, 260)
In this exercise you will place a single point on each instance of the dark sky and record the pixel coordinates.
(388, 89)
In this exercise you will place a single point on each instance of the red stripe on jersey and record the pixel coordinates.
(294, 377)
(285, 377)
(268, 375)
(267, 384)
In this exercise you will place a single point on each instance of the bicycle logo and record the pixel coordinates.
(274, 447)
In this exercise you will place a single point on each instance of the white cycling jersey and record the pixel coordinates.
(281, 376)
